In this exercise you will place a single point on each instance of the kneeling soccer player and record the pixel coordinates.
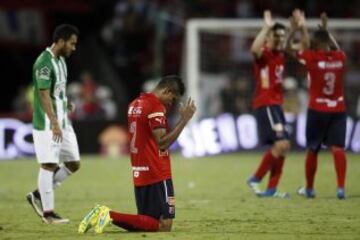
(149, 139)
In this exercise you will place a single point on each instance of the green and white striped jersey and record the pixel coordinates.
(50, 72)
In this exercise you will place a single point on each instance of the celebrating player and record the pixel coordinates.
(54, 137)
(150, 139)
(326, 117)
(268, 50)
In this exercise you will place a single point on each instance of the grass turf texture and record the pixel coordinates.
(212, 200)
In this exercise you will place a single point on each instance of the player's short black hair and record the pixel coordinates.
(277, 26)
(65, 31)
(174, 82)
(321, 35)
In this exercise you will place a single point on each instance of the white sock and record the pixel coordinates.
(60, 176)
(45, 182)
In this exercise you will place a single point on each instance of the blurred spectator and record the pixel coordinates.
(23, 101)
(106, 103)
(90, 107)
(244, 8)
(92, 101)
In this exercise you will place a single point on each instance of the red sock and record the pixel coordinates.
(265, 165)
(275, 172)
(310, 168)
(340, 165)
(132, 222)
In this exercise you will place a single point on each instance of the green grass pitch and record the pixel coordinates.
(212, 200)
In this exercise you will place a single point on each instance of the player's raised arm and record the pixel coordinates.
(297, 23)
(300, 21)
(290, 47)
(258, 43)
(164, 139)
(323, 25)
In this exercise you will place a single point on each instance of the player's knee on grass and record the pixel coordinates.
(49, 166)
(281, 148)
(72, 166)
(165, 225)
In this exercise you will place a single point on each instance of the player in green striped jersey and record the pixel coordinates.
(54, 137)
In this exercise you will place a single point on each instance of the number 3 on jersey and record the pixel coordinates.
(329, 88)
(132, 130)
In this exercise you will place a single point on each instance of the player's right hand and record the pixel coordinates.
(299, 18)
(268, 18)
(57, 133)
(188, 109)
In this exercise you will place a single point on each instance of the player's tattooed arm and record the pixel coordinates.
(165, 139)
(47, 106)
(258, 43)
(323, 25)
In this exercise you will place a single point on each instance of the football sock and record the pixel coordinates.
(45, 186)
(275, 172)
(60, 175)
(132, 222)
(310, 168)
(340, 165)
(265, 165)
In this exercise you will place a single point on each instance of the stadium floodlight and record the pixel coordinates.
(248, 27)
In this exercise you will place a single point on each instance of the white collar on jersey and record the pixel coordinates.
(49, 50)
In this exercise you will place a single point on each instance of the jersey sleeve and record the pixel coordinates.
(43, 75)
(304, 56)
(157, 118)
(341, 54)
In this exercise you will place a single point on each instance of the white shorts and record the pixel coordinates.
(49, 151)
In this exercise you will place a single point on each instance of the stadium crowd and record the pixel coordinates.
(142, 40)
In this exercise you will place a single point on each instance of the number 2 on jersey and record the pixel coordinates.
(132, 130)
(329, 78)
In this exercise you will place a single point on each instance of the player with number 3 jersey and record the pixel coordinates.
(326, 117)
(325, 75)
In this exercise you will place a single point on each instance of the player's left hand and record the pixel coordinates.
(299, 18)
(71, 106)
(188, 109)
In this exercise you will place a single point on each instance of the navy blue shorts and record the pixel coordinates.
(156, 200)
(271, 124)
(325, 128)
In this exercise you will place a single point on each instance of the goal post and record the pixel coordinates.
(195, 27)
